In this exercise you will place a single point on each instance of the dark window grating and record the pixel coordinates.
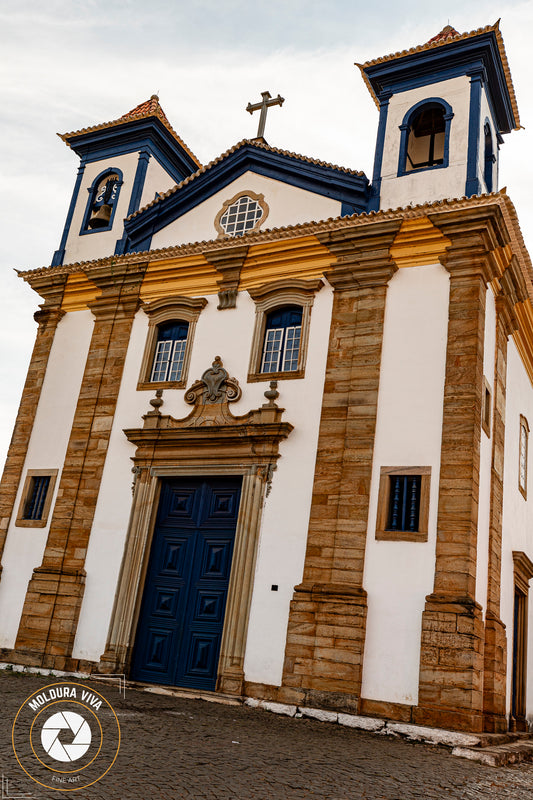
(36, 497)
(404, 503)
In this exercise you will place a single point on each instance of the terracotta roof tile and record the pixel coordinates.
(149, 108)
(446, 33)
(438, 41)
(255, 143)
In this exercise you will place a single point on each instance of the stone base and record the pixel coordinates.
(231, 681)
(49, 619)
(325, 641)
(494, 680)
(451, 664)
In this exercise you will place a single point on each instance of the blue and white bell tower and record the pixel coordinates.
(122, 165)
(443, 109)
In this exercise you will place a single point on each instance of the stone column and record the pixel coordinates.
(495, 651)
(55, 592)
(47, 319)
(451, 657)
(326, 629)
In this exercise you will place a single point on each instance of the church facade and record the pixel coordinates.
(279, 458)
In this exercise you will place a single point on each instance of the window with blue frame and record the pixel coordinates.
(103, 197)
(281, 346)
(169, 352)
(425, 133)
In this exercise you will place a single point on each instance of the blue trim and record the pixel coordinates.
(133, 136)
(489, 159)
(375, 189)
(350, 190)
(472, 180)
(405, 127)
(84, 226)
(59, 254)
(447, 61)
(138, 183)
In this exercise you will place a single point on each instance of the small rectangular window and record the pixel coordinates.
(36, 498)
(403, 504)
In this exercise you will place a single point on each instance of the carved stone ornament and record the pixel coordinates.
(215, 386)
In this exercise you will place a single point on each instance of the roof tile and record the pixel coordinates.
(149, 108)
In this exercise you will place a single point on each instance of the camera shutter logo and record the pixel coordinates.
(70, 721)
(66, 736)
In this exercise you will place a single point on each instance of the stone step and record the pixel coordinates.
(499, 755)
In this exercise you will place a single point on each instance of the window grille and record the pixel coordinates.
(241, 217)
(404, 503)
(36, 497)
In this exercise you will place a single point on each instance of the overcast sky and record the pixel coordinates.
(67, 65)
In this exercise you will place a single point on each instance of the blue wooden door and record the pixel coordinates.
(182, 610)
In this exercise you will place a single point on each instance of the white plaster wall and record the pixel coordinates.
(47, 447)
(399, 575)
(99, 244)
(287, 205)
(286, 512)
(157, 180)
(432, 184)
(485, 460)
(517, 512)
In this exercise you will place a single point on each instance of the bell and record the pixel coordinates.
(101, 217)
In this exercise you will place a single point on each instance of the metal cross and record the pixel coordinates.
(264, 105)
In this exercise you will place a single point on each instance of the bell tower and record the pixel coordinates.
(443, 109)
(122, 165)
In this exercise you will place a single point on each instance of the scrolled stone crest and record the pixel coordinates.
(215, 386)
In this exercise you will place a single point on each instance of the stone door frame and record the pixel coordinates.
(209, 442)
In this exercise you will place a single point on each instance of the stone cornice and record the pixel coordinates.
(363, 255)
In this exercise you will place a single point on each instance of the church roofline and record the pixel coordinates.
(450, 42)
(497, 199)
(131, 116)
(253, 143)
(347, 187)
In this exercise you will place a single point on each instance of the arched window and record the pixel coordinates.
(489, 157)
(425, 132)
(522, 456)
(169, 351)
(281, 346)
(103, 197)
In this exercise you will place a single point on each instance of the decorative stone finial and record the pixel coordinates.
(157, 402)
(271, 395)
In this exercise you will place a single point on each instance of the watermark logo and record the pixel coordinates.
(66, 736)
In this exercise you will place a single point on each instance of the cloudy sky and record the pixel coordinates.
(67, 65)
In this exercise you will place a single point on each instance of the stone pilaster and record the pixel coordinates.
(495, 651)
(452, 642)
(327, 621)
(55, 592)
(47, 319)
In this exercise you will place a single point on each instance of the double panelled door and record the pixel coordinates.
(182, 610)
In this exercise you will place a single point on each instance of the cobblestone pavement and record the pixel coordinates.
(174, 748)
